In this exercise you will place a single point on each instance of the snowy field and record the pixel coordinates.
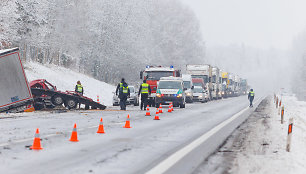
(65, 79)
(259, 145)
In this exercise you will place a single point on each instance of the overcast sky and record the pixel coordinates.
(257, 23)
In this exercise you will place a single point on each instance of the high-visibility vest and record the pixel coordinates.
(121, 85)
(79, 88)
(144, 88)
(252, 93)
(125, 90)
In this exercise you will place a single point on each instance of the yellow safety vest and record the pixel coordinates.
(79, 88)
(125, 90)
(252, 93)
(144, 88)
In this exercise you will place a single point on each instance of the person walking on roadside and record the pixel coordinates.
(145, 91)
(251, 97)
(119, 86)
(124, 93)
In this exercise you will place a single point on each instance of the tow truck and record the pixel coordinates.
(46, 95)
(153, 74)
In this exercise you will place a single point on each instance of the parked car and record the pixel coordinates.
(132, 100)
(199, 94)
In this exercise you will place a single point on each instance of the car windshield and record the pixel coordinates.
(169, 85)
(156, 75)
(197, 84)
(204, 77)
(198, 90)
(187, 84)
(132, 89)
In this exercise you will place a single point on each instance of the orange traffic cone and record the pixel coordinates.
(101, 127)
(170, 109)
(160, 109)
(156, 115)
(148, 111)
(74, 134)
(127, 123)
(36, 143)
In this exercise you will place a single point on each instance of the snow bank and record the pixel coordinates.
(65, 79)
(272, 156)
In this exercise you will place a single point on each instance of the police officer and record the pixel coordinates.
(145, 91)
(251, 97)
(119, 85)
(124, 93)
(79, 88)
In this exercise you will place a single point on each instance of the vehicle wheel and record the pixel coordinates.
(71, 104)
(57, 100)
(182, 105)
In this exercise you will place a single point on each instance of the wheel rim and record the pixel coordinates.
(58, 100)
(71, 103)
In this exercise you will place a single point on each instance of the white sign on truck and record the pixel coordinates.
(14, 87)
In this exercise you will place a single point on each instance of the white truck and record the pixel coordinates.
(231, 85)
(216, 83)
(15, 92)
(204, 72)
(236, 85)
(188, 86)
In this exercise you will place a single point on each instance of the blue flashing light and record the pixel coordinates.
(147, 66)
(175, 95)
(171, 66)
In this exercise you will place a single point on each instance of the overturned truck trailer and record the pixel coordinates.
(15, 94)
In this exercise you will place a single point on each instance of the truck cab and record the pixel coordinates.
(216, 94)
(170, 89)
(153, 74)
(224, 81)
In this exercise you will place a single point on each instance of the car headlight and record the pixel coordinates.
(200, 96)
(179, 95)
(188, 93)
(158, 95)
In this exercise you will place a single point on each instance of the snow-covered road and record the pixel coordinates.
(120, 150)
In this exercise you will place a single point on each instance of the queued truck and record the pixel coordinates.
(236, 91)
(216, 83)
(244, 86)
(152, 75)
(225, 83)
(15, 95)
(204, 72)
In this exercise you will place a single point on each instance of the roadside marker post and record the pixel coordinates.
(282, 115)
(98, 99)
(288, 146)
(276, 102)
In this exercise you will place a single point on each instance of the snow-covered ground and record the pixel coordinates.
(65, 79)
(259, 145)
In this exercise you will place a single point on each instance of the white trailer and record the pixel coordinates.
(14, 87)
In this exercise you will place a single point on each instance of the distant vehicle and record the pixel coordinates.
(15, 92)
(244, 86)
(204, 72)
(231, 85)
(132, 100)
(225, 82)
(153, 74)
(216, 83)
(199, 94)
(198, 82)
(170, 89)
(189, 86)
(46, 95)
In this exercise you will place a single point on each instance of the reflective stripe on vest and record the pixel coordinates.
(125, 90)
(121, 85)
(79, 88)
(144, 88)
(252, 94)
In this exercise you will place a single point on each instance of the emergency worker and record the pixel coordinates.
(124, 93)
(119, 85)
(145, 91)
(79, 88)
(251, 97)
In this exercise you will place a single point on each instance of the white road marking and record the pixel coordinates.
(177, 156)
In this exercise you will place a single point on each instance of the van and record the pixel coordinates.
(187, 82)
(170, 89)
